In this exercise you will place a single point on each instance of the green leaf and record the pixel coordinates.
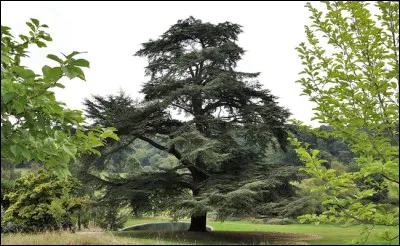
(52, 74)
(31, 26)
(5, 58)
(26, 153)
(109, 134)
(47, 38)
(40, 44)
(8, 97)
(14, 149)
(78, 72)
(74, 53)
(59, 85)
(35, 21)
(55, 58)
(70, 149)
(19, 106)
(41, 156)
(80, 63)
(315, 152)
(24, 38)
(67, 72)
(24, 73)
(95, 151)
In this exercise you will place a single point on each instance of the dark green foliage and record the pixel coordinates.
(106, 215)
(8, 177)
(42, 201)
(98, 212)
(331, 148)
(219, 147)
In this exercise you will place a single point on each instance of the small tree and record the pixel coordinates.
(41, 201)
(355, 85)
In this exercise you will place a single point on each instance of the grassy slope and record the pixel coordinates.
(329, 234)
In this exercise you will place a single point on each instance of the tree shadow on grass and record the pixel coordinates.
(221, 237)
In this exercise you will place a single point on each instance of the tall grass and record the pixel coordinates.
(68, 238)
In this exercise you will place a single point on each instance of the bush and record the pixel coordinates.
(42, 201)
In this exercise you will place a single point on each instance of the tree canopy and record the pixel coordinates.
(229, 121)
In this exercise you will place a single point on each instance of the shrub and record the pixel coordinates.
(42, 201)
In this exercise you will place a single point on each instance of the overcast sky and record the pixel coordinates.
(111, 32)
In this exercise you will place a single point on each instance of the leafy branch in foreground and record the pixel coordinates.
(355, 84)
(34, 126)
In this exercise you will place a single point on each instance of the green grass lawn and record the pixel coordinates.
(228, 232)
(329, 235)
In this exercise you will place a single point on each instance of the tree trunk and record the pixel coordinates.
(198, 223)
(79, 221)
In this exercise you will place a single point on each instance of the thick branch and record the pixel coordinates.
(170, 150)
(175, 152)
(152, 142)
